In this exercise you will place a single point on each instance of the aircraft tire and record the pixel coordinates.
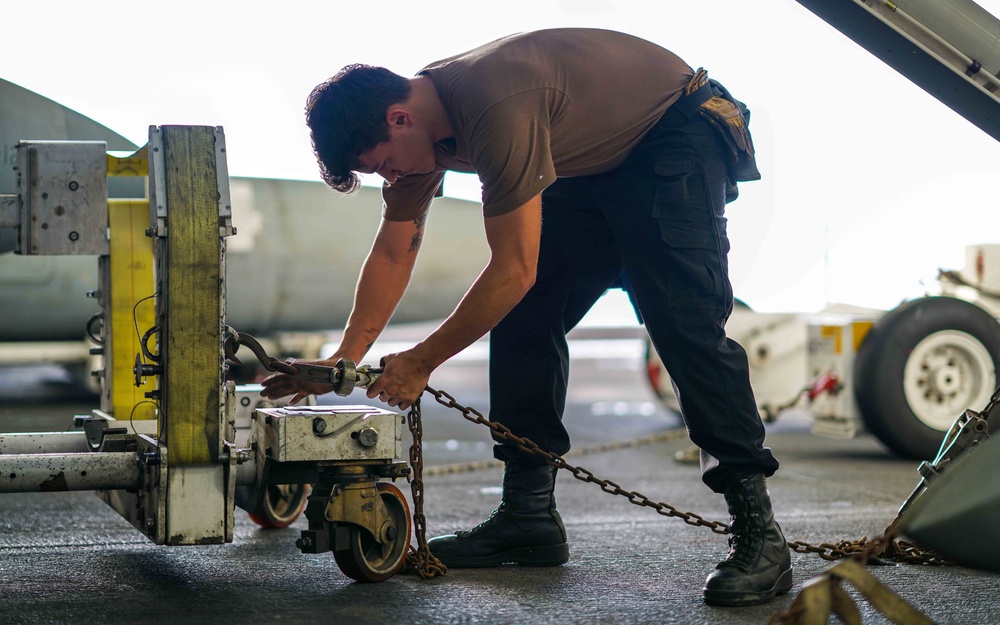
(921, 366)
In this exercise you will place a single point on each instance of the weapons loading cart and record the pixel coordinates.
(174, 447)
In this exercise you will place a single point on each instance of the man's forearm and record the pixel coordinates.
(380, 287)
(384, 277)
(514, 241)
(494, 293)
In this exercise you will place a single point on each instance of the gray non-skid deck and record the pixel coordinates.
(67, 558)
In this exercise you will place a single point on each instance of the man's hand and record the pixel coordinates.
(282, 385)
(404, 377)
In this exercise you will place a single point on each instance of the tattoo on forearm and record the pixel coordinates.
(417, 236)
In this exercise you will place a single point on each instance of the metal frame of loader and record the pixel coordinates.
(162, 448)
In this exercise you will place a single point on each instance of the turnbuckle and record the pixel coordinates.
(345, 376)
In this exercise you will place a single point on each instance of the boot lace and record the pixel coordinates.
(746, 539)
(488, 523)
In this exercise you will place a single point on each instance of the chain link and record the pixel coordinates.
(876, 551)
(420, 559)
(529, 446)
(482, 465)
(880, 550)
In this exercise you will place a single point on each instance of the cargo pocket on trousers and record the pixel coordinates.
(672, 189)
(694, 273)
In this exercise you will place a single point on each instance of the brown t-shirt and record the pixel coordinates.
(535, 106)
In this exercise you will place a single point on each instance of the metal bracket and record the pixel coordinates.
(360, 504)
(96, 428)
(225, 202)
(158, 176)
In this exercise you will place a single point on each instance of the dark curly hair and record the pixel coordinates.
(346, 116)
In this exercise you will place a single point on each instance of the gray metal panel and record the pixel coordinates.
(954, 90)
(63, 188)
(318, 433)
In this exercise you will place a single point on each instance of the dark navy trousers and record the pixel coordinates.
(660, 218)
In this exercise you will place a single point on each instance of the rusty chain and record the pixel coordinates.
(529, 446)
(599, 448)
(885, 547)
(419, 560)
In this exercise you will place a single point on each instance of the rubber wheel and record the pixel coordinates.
(367, 560)
(283, 504)
(920, 367)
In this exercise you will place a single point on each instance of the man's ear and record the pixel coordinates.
(398, 117)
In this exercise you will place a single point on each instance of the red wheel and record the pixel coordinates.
(283, 503)
(367, 560)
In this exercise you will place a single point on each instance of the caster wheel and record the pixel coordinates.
(283, 504)
(367, 560)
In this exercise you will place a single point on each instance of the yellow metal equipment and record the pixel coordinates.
(162, 449)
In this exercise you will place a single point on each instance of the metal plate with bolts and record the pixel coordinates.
(320, 433)
(63, 190)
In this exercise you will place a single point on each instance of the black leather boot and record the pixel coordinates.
(759, 565)
(524, 529)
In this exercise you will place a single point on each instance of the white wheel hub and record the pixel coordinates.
(948, 372)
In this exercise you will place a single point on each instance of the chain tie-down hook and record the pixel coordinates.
(345, 376)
